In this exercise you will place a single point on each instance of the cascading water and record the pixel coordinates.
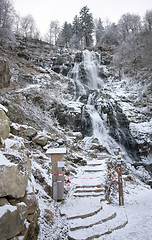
(85, 73)
(95, 113)
(88, 85)
(91, 69)
(99, 126)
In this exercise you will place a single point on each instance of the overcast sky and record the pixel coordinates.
(44, 11)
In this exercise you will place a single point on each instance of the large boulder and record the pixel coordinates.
(41, 138)
(4, 124)
(12, 182)
(5, 75)
(12, 220)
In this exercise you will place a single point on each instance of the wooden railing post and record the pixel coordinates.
(120, 183)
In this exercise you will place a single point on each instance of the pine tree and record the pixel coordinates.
(66, 34)
(87, 26)
(99, 31)
(76, 32)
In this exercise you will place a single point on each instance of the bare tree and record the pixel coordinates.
(148, 20)
(6, 13)
(17, 24)
(54, 31)
(28, 27)
(128, 23)
(6, 21)
(110, 35)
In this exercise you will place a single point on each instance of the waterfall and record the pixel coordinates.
(99, 126)
(91, 69)
(80, 90)
(85, 74)
(101, 117)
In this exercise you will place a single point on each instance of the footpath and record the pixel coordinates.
(89, 215)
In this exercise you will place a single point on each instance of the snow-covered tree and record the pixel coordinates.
(87, 26)
(65, 35)
(129, 23)
(135, 46)
(6, 22)
(99, 31)
(76, 32)
(110, 35)
(54, 31)
(28, 27)
(148, 20)
(17, 24)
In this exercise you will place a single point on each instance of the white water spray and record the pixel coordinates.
(88, 84)
(91, 68)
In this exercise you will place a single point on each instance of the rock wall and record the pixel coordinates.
(19, 209)
(12, 182)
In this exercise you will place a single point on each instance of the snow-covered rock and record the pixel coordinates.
(30, 132)
(12, 220)
(12, 182)
(41, 139)
(4, 125)
(3, 108)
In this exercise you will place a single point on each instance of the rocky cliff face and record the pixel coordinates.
(18, 202)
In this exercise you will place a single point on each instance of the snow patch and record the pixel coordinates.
(3, 108)
(4, 160)
(4, 209)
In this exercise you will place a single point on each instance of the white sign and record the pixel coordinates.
(60, 164)
(56, 151)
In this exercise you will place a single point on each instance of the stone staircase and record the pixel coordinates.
(89, 214)
(88, 191)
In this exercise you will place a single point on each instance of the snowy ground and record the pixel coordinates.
(138, 207)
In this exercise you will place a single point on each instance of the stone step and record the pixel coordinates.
(85, 185)
(91, 170)
(90, 194)
(96, 231)
(89, 190)
(89, 214)
(95, 163)
(89, 186)
(81, 207)
(88, 222)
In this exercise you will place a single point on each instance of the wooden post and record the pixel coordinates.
(57, 172)
(119, 163)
